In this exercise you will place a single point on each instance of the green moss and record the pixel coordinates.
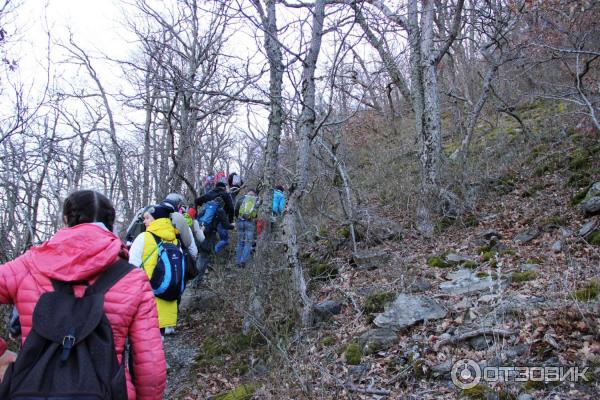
(588, 292)
(444, 223)
(579, 159)
(559, 220)
(328, 341)
(534, 260)
(508, 252)
(344, 232)
(353, 354)
(485, 275)
(321, 269)
(420, 369)
(242, 392)
(471, 221)
(523, 276)
(238, 367)
(594, 238)
(533, 190)
(469, 264)
(579, 179)
(483, 249)
(375, 302)
(478, 392)
(579, 196)
(439, 262)
(488, 255)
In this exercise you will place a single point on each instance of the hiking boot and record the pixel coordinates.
(169, 330)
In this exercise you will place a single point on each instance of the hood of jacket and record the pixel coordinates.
(163, 228)
(77, 253)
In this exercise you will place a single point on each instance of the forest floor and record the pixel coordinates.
(504, 302)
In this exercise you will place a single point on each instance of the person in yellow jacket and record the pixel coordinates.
(144, 253)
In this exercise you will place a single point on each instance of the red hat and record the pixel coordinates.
(192, 212)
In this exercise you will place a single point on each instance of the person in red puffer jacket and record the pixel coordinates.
(80, 253)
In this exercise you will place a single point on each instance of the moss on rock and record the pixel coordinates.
(578, 159)
(374, 303)
(478, 392)
(438, 262)
(594, 238)
(523, 276)
(242, 392)
(588, 292)
(322, 269)
(353, 354)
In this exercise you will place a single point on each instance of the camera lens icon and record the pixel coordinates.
(465, 374)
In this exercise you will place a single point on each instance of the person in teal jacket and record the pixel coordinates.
(278, 200)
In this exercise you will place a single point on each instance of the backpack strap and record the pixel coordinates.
(110, 277)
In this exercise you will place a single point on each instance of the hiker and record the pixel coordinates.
(278, 201)
(220, 190)
(209, 223)
(175, 201)
(235, 184)
(144, 253)
(246, 210)
(198, 232)
(74, 260)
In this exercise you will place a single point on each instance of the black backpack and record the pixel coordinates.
(168, 277)
(70, 351)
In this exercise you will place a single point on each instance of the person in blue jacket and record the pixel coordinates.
(278, 200)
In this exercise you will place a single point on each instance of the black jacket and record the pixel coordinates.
(213, 194)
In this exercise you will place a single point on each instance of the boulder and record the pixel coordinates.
(365, 260)
(420, 285)
(453, 258)
(591, 203)
(407, 310)
(373, 229)
(464, 282)
(378, 339)
(557, 246)
(327, 309)
(591, 206)
(588, 227)
(527, 236)
(442, 370)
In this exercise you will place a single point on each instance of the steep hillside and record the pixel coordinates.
(513, 282)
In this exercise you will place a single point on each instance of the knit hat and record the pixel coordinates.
(159, 211)
(192, 212)
(221, 185)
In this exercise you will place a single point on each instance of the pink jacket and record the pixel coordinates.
(80, 253)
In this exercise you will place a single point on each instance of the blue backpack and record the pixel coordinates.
(168, 278)
(208, 215)
(278, 202)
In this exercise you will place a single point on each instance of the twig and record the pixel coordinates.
(399, 376)
(353, 388)
(472, 334)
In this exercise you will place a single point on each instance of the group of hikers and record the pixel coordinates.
(93, 310)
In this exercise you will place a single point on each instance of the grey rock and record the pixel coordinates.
(525, 396)
(465, 282)
(453, 258)
(591, 206)
(566, 232)
(443, 369)
(489, 234)
(530, 267)
(516, 351)
(371, 259)
(588, 227)
(327, 309)
(407, 310)
(420, 285)
(594, 190)
(373, 229)
(488, 298)
(375, 340)
(356, 372)
(557, 246)
(481, 342)
(259, 369)
(445, 336)
(527, 236)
